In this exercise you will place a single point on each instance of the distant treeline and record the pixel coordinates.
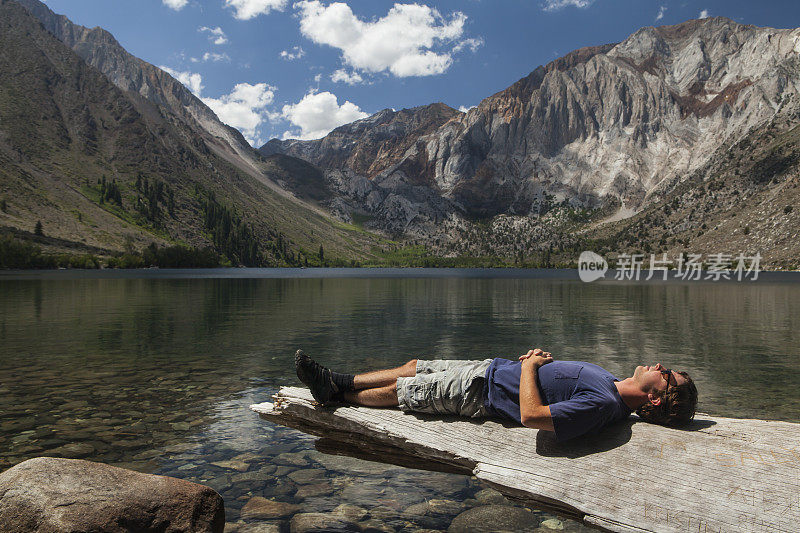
(167, 257)
(17, 254)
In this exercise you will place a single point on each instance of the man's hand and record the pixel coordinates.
(533, 413)
(536, 357)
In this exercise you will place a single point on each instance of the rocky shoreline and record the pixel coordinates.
(48, 494)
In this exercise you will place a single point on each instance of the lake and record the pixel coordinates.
(154, 370)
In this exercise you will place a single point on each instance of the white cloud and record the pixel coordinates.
(211, 56)
(661, 11)
(464, 108)
(296, 53)
(704, 14)
(177, 5)
(555, 5)
(401, 42)
(472, 44)
(247, 9)
(216, 35)
(192, 80)
(350, 78)
(317, 114)
(244, 108)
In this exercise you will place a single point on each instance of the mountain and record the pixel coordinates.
(143, 81)
(602, 133)
(105, 169)
(355, 156)
(680, 138)
(369, 145)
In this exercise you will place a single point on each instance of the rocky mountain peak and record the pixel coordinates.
(368, 145)
(608, 124)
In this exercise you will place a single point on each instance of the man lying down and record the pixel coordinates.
(570, 398)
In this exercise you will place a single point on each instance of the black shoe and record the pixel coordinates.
(316, 377)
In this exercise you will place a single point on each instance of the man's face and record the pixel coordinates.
(651, 380)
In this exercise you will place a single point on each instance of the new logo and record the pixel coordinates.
(591, 266)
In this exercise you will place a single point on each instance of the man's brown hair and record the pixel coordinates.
(677, 405)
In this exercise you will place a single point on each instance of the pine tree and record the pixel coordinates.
(38, 230)
(321, 254)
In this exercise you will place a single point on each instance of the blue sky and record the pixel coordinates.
(296, 69)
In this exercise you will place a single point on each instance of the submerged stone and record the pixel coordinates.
(316, 489)
(489, 518)
(553, 524)
(491, 496)
(307, 475)
(353, 513)
(259, 507)
(304, 522)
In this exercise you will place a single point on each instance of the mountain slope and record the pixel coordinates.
(99, 168)
(144, 82)
(745, 200)
(606, 127)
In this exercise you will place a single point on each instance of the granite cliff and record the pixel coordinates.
(608, 129)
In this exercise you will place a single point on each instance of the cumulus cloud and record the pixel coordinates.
(464, 108)
(555, 5)
(216, 35)
(350, 78)
(661, 11)
(244, 108)
(211, 56)
(296, 53)
(472, 44)
(704, 14)
(401, 42)
(247, 9)
(177, 5)
(192, 80)
(317, 114)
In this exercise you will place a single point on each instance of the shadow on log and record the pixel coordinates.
(717, 475)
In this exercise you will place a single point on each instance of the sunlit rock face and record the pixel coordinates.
(613, 122)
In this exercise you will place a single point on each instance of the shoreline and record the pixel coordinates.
(569, 274)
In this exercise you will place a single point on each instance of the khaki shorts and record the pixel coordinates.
(445, 387)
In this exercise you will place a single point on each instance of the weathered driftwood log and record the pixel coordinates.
(718, 475)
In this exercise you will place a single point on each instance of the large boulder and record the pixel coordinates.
(49, 495)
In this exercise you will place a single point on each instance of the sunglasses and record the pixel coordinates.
(666, 373)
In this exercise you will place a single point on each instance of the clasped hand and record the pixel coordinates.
(537, 358)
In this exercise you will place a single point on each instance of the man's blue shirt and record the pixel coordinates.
(582, 396)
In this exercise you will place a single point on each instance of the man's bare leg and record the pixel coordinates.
(381, 378)
(379, 388)
(376, 397)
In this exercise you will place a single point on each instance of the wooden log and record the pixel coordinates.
(718, 475)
